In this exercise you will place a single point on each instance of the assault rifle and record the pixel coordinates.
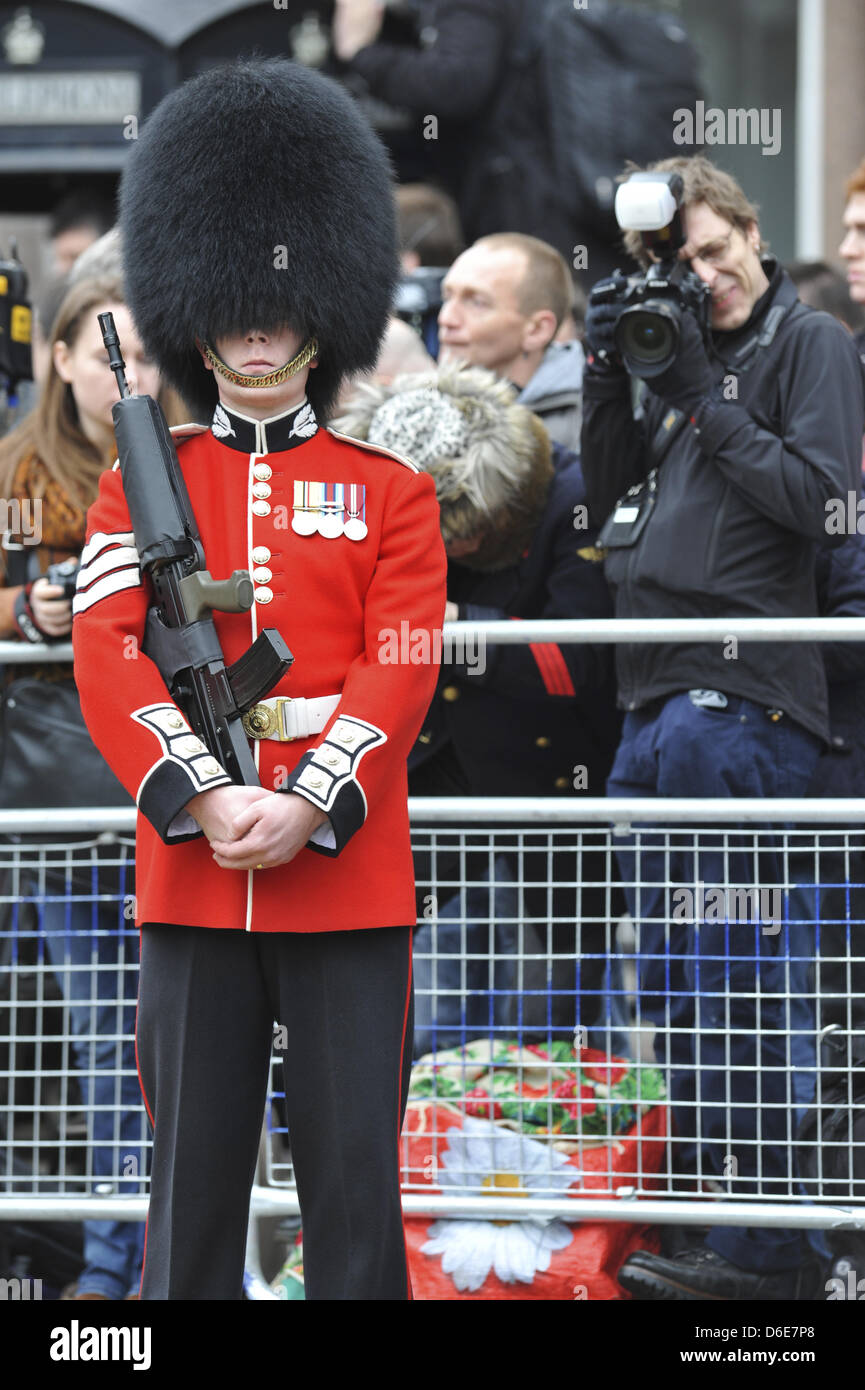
(180, 636)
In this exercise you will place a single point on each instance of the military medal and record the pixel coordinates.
(305, 521)
(331, 509)
(355, 527)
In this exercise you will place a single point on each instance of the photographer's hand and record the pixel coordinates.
(601, 319)
(689, 378)
(42, 613)
(356, 23)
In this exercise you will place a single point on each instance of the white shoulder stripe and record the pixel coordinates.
(110, 584)
(118, 557)
(376, 449)
(100, 540)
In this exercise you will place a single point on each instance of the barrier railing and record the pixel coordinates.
(555, 1031)
(506, 879)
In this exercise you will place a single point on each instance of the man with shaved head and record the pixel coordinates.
(503, 302)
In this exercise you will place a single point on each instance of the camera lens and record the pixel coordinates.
(646, 338)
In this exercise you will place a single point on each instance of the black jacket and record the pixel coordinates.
(449, 65)
(741, 505)
(841, 594)
(472, 69)
(538, 712)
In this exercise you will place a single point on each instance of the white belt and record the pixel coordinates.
(285, 719)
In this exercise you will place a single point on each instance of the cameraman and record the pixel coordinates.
(752, 431)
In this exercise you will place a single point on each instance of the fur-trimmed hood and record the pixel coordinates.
(490, 458)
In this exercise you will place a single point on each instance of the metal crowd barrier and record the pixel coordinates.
(507, 879)
(546, 1017)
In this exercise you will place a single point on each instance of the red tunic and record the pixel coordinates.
(337, 602)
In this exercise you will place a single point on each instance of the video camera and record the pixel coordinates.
(64, 573)
(15, 321)
(418, 301)
(647, 331)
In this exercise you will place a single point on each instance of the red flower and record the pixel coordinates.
(477, 1105)
(597, 1066)
(583, 1098)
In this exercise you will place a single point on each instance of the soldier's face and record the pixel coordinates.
(258, 353)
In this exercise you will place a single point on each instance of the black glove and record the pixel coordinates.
(600, 328)
(688, 379)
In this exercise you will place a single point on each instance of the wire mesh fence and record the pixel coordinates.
(656, 1006)
(565, 1046)
(72, 1125)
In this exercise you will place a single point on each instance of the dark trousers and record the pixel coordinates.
(207, 1003)
(718, 991)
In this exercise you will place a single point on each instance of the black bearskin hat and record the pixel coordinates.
(257, 196)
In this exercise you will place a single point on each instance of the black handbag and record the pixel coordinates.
(47, 758)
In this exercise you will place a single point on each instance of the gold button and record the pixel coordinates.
(262, 471)
(260, 555)
(424, 738)
(263, 595)
(260, 490)
(542, 742)
(261, 508)
(562, 782)
(450, 693)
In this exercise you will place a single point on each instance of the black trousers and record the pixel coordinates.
(207, 1003)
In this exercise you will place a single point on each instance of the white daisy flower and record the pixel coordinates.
(483, 1157)
(482, 1150)
(515, 1250)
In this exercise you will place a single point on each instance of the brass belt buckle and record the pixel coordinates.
(263, 722)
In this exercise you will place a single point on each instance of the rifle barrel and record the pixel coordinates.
(115, 357)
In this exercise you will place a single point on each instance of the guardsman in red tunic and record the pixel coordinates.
(292, 901)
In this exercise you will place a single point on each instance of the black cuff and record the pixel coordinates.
(326, 776)
(162, 800)
(717, 421)
(185, 769)
(603, 382)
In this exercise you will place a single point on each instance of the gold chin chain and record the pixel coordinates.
(296, 364)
